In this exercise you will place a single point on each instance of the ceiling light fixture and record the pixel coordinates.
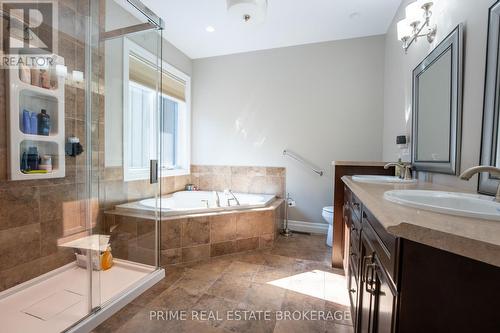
(210, 28)
(247, 11)
(416, 23)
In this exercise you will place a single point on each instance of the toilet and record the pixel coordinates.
(328, 216)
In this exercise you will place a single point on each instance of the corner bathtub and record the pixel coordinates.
(194, 202)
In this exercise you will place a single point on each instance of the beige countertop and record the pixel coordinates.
(359, 163)
(474, 238)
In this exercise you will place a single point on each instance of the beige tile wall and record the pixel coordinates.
(246, 179)
(33, 214)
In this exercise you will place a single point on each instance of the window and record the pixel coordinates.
(156, 125)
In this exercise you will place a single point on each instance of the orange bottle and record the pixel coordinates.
(106, 259)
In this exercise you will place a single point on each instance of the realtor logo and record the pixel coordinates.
(28, 27)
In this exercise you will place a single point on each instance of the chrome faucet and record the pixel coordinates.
(229, 192)
(404, 169)
(467, 174)
(216, 198)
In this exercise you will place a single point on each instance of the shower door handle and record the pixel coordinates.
(153, 171)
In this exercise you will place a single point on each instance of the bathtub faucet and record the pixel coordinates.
(229, 192)
(216, 198)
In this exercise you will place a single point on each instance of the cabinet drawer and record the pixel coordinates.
(384, 246)
(355, 206)
(354, 239)
(354, 258)
(353, 290)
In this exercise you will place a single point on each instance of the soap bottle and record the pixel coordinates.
(44, 79)
(32, 159)
(24, 162)
(46, 163)
(43, 123)
(25, 74)
(106, 259)
(35, 77)
(26, 122)
(33, 123)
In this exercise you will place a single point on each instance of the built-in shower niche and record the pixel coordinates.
(27, 99)
(34, 156)
(31, 105)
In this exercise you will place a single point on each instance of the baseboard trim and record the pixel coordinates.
(303, 226)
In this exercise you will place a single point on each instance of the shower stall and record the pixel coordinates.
(66, 137)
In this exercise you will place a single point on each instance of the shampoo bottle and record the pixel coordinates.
(35, 77)
(25, 74)
(26, 122)
(44, 79)
(43, 123)
(33, 123)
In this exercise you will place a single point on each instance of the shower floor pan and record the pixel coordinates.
(57, 300)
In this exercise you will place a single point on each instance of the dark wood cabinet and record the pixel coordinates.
(366, 302)
(377, 293)
(371, 290)
(397, 285)
(384, 294)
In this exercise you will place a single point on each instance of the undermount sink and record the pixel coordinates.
(453, 203)
(381, 179)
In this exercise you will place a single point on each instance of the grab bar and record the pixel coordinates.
(319, 172)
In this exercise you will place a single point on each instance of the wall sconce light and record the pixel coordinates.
(416, 23)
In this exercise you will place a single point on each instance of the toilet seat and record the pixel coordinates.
(328, 209)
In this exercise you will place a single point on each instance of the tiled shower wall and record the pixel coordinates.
(34, 213)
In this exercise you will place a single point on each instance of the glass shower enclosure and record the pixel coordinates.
(71, 151)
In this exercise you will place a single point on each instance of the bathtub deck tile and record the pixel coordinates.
(195, 231)
(222, 248)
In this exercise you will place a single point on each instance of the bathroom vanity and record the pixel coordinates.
(410, 270)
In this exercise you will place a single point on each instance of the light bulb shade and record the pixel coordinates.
(247, 11)
(404, 29)
(414, 12)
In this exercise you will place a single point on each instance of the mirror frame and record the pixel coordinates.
(488, 184)
(453, 41)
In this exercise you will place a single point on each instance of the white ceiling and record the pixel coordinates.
(288, 22)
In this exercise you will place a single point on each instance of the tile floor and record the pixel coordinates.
(294, 278)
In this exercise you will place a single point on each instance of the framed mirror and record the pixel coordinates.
(490, 147)
(437, 107)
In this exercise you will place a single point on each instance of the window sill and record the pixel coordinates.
(175, 172)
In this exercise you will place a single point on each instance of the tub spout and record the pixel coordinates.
(233, 197)
(216, 198)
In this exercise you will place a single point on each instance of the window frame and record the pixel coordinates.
(131, 174)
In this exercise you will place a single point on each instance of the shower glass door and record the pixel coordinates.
(122, 127)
